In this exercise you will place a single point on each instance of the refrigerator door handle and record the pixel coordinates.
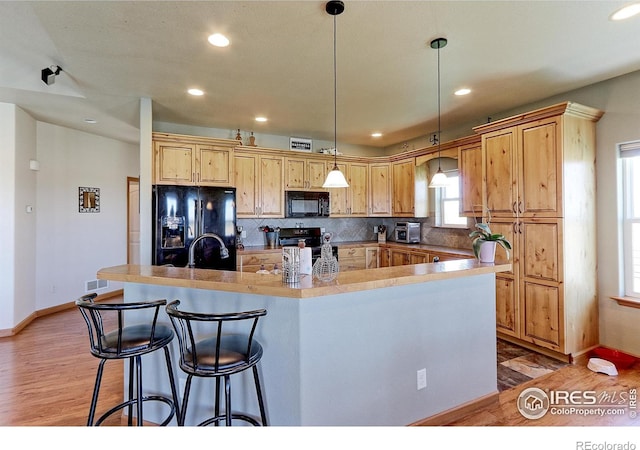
(197, 217)
(201, 212)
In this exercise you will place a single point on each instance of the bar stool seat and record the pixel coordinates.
(128, 342)
(219, 356)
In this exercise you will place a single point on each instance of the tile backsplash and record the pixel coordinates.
(357, 229)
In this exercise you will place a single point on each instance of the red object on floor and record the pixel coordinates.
(619, 359)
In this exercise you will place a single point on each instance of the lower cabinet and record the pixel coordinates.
(252, 262)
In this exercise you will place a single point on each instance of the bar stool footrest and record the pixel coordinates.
(234, 416)
(133, 402)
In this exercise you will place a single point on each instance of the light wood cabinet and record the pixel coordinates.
(403, 188)
(259, 181)
(352, 201)
(352, 258)
(192, 161)
(380, 189)
(302, 173)
(470, 179)
(539, 185)
(252, 262)
(384, 257)
(372, 258)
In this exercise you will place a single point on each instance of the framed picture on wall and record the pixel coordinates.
(88, 200)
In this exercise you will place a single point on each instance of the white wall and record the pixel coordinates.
(73, 246)
(7, 213)
(25, 222)
(17, 190)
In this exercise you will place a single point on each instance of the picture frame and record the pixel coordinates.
(301, 144)
(88, 200)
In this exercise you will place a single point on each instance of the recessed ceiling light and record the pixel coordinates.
(91, 121)
(463, 91)
(194, 91)
(218, 40)
(626, 12)
(261, 119)
(376, 135)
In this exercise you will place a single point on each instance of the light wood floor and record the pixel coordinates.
(47, 376)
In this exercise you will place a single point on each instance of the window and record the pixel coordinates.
(448, 203)
(630, 154)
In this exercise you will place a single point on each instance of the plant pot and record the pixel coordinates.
(487, 252)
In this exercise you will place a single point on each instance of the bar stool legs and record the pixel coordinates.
(135, 378)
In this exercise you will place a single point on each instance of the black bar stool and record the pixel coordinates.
(207, 351)
(131, 341)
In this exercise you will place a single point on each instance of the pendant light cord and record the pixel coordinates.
(335, 99)
(439, 127)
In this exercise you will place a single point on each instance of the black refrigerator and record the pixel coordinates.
(182, 213)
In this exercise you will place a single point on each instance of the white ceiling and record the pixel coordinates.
(280, 62)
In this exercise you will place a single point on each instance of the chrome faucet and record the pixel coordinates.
(224, 252)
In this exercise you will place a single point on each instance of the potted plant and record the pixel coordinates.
(484, 243)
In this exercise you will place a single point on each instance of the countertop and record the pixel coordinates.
(271, 284)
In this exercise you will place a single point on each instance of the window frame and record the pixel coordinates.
(630, 257)
(440, 200)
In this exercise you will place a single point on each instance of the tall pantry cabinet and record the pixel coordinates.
(538, 172)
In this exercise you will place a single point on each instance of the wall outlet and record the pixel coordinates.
(243, 234)
(422, 379)
(375, 228)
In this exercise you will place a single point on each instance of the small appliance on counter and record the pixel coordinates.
(407, 232)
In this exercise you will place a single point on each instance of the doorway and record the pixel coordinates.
(133, 220)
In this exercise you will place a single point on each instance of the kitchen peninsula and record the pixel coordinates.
(346, 352)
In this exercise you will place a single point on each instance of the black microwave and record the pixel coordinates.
(307, 204)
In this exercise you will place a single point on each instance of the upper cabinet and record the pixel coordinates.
(523, 169)
(192, 160)
(379, 189)
(259, 182)
(470, 179)
(305, 173)
(352, 201)
(404, 188)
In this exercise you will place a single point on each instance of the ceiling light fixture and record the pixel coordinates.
(196, 92)
(463, 91)
(218, 40)
(48, 74)
(626, 12)
(439, 180)
(376, 135)
(261, 119)
(90, 121)
(335, 178)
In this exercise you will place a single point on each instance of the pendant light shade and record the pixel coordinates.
(335, 178)
(439, 180)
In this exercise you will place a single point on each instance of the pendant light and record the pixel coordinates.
(439, 180)
(335, 178)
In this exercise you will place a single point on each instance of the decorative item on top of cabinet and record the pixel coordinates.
(192, 160)
(550, 223)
